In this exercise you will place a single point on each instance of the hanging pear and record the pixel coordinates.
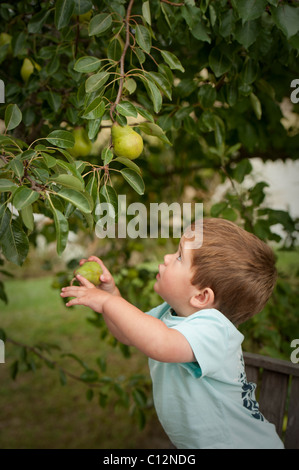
(126, 142)
(27, 69)
(83, 145)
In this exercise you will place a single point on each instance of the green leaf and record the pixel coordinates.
(154, 94)
(229, 214)
(13, 117)
(140, 55)
(110, 196)
(249, 71)
(69, 181)
(93, 127)
(62, 139)
(103, 399)
(144, 113)
(106, 155)
(172, 61)
(256, 104)
(24, 197)
(82, 363)
(49, 160)
(250, 10)
(153, 129)
(99, 24)
(63, 12)
(87, 64)
(14, 369)
(17, 167)
(193, 17)
(95, 110)
(62, 230)
(27, 217)
(141, 418)
(134, 179)
(139, 397)
(219, 62)
(101, 361)
(227, 22)
(2, 335)
(242, 169)
(286, 18)
(130, 85)
(82, 6)
(266, 88)
(7, 185)
(146, 12)
(89, 394)
(129, 163)
(79, 200)
(73, 168)
(217, 209)
(37, 21)
(126, 108)
(96, 81)
(62, 377)
(89, 375)
(162, 82)
(15, 243)
(207, 95)
(114, 50)
(143, 38)
(123, 395)
(247, 33)
(257, 194)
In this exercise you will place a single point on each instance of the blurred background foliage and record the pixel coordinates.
(208, 86)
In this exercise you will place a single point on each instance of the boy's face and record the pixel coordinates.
(174, 280)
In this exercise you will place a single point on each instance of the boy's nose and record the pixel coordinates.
(166, 259)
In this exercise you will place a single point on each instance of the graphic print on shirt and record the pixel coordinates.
(248, 393)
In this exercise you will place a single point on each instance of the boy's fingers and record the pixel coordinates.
(106, 277)
(72, 302)
(100, 262)
(84, 282)
(72, 291)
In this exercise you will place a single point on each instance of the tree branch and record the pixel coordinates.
(51, 362)
(173, 3)
(122, 60)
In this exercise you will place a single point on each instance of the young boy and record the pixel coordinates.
(200, 390)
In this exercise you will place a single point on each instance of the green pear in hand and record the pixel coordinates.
(91, 270)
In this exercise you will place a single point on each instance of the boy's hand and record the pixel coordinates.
(86, 294)
(107, 281)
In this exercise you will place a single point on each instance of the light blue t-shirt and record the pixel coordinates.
(208, 404)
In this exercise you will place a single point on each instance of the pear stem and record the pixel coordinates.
(122, 60)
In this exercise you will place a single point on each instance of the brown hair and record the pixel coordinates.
(237, 266)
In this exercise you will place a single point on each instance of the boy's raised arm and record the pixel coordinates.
(148, 334)
(132, 326)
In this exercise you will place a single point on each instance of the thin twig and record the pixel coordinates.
(243, 206)
(122, 60)
(49, 361)
(173, 3)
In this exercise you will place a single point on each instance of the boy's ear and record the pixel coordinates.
(204, 298)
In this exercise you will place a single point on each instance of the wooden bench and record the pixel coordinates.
(277, 393)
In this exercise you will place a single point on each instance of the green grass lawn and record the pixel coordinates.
(37, 412)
